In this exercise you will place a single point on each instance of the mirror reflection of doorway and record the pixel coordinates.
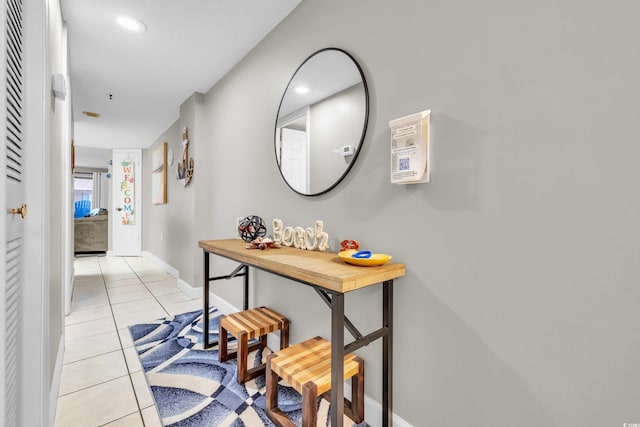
(292, 153)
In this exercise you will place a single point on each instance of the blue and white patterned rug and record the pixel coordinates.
(192, 389)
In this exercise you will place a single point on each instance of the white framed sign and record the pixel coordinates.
(410, 148)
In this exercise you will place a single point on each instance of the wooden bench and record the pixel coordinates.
(247, 325)
(307, 368)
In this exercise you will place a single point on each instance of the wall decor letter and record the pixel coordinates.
(287, 236)
(298, 240)
(310, 241)
(277, 230)
(323, 245)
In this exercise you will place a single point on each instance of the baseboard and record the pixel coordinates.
(55, 382)
(220, 303)
(373, 412)
(226, 308)
(111, 253)
(165, 266)
(68, 289)
(373, 409)
(189, 290)
(185, 287)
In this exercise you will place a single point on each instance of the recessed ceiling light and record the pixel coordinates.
(131, 24)
(302, 89)
(91, 114)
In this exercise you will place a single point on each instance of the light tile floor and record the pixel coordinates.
(102, 382)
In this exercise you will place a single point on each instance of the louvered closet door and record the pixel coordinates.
(11, 116)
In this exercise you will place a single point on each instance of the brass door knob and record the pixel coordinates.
(21, 210)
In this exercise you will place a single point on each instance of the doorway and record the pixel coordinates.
(127, 201)
(90, 191)
(292, 149)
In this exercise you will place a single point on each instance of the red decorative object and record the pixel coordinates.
(349, 244)
(263, 243)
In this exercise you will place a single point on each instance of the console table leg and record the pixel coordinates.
(337, 359)
(205, 304)
(245, 302)
(387, 354)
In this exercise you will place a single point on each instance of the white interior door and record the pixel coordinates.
(294, 158)
(127, 200)
(12, 195)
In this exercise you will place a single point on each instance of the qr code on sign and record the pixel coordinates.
(404, 164)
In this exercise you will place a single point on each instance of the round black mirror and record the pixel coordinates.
(321, 122)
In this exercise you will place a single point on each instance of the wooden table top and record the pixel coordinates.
(324, 269)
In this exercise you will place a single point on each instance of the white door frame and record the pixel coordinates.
(36, 374)
(3, 204)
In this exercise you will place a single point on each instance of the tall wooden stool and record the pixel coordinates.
(307, 368)
(246, 325)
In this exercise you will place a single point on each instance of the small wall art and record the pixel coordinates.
(185, 167)
(159, 174)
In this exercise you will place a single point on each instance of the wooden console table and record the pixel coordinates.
(331, 278)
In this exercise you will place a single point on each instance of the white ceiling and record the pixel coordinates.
(187, 47)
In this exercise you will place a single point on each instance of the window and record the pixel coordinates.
(82, 193)
(82, 189)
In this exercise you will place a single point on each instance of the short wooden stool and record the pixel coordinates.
(246, 325)
(307, 368)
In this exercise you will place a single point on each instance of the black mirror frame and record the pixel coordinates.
(364, 126)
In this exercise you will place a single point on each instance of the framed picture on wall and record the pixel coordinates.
(159, 174)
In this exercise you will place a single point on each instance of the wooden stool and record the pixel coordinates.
(307, 368)
(246, 325)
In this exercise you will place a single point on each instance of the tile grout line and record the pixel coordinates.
(121, 418)
(93, 385)
(155, 297)
(147, 288)
(126, 362)
(87, 358)
(100, 269)
(146, 283)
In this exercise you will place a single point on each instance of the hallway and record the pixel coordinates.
(102, 382)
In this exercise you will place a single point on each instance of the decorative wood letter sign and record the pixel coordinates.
(301, 238)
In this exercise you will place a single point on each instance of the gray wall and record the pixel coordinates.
(169, 231)
(92, 157)
(158, 232)
(520, 302)
(331, 131)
